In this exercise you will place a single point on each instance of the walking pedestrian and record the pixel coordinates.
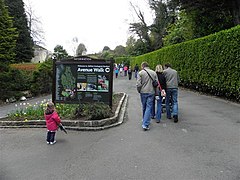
(147, 92)
(130, 73)
(125, 69)
(121, 70)
(172, 81)
(52, 121)
(136, 69)
(160, 92)
(116, 71)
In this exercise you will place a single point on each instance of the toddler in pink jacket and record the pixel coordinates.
(52, 121)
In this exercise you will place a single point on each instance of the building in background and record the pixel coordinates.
(40, 54)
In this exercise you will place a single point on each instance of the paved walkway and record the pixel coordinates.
(204, 145)
(5, 109)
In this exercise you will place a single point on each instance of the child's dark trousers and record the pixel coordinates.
(51, 136)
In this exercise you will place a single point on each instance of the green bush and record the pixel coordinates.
(124, 60)
(93, 111)
(13, 82)
(209, 64)
(42, 79)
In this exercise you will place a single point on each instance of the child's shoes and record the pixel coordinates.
(53, 142)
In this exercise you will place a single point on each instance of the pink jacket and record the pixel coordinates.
(52, 121)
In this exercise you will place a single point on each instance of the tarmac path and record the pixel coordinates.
(204, 145)
(8, 108)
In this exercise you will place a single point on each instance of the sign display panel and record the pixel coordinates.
(83, 81)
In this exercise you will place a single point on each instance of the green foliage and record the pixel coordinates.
(93, 111)
(8, 35)
(120, 51)
(4, 67)
(209, 16)
(130, 45)
(12, 82)
(30, 112)
(36, 111)
(209, 64)
(42, 78)
(124, 60)
(180, 31)
(67, 111)
(24, 47)
(106, 55)
(164, 16)
(60, 53)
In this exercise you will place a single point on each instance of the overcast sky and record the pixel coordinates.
(96, 23)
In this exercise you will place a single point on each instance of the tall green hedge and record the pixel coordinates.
(208, 64)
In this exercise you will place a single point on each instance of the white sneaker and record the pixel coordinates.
(48, 142)
(53, 142)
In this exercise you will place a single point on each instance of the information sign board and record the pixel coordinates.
(83, 80)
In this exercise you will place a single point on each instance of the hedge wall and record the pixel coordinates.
(209, 64)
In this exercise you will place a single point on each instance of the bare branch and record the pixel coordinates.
(34, 24)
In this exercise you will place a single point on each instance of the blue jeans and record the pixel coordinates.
(153, 112)
(159, 109)
(147, 103)
(158, 114)
(136, 74)
(172, 96)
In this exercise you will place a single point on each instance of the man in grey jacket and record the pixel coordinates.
(172, 80)
(147, 92)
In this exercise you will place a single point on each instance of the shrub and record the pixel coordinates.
(93, 111)
(210, 64)
(12, 82)
(42, 79)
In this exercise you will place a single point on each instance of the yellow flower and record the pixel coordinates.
(25, 120)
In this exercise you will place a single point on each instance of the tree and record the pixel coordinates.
(24, 47)
(120, 51)
(130, 45)
(219, 7)
(141, 29)
(106, 53)
(8, 36)
(35, 25)
(81, 49)
(106, 48)
(180, 31)
(165, 15)
(135, 47)
(60, 53)
(208, 16)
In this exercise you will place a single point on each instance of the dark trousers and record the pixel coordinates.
(129, 76)
(50, 136)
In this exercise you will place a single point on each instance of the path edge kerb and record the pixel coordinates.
(93, 125)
